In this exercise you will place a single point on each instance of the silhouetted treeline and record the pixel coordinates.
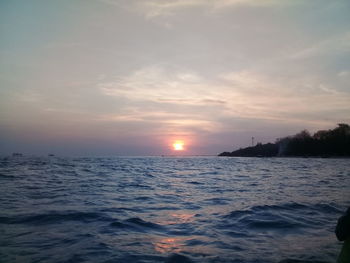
(266, 150)
(323, 143)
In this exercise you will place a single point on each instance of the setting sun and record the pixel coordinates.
(178, 146)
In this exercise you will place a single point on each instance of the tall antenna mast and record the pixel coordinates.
(252, 141)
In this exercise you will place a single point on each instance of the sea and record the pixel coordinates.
(171, 209)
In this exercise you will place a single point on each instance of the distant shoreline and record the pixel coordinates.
(323, 144)
(290, 157)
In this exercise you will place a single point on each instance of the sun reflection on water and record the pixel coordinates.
(177, 218)
(183, 217)
(174, 244)
(171, 245)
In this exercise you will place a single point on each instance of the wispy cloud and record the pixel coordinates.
(172, 100)
(333, 45)
(281, 97)
(157, 8)
(158, 85)
(161, 8)
(187, 99)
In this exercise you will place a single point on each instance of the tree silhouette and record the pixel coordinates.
(323, 143)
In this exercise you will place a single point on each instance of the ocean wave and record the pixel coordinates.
(283, 219)
(136, 223)
(54, 218)
(287, 207)
(301, 261)
(177, 258)
(7, 176)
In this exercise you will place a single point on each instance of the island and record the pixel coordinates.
(323, 143)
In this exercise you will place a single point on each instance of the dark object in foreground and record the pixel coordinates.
(342, 231)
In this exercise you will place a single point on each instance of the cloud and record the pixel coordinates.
(160, 8)
(343, 74)
(277, 97)
(186, 100)
(332, 46)
(158, 85)
(170, 100)
(157, 8)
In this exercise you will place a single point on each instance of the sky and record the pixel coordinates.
(131, 77)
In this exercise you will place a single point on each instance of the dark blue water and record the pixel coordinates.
(155, 209)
